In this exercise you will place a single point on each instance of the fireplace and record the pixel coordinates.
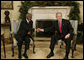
(44, 23)
(42, 16)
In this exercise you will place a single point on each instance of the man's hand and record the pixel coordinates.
(29, 33)
(67, 36)
(39, 30)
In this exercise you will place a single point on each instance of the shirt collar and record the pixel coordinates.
(27, 20)
(60, 21)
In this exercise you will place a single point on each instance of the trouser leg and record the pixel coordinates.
(68, 44)
(54, 39)
(19, 49)
(53, 42)
(27, 42)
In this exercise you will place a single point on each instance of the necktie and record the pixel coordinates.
(60, 29)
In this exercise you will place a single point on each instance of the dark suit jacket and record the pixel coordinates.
(24, 29)
(66, 28)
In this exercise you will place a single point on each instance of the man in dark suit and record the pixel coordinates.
(62, 30)
(23, 34)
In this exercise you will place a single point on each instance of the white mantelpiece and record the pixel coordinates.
(48, 12)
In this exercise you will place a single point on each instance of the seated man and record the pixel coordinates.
(62, 30)
(23, 34)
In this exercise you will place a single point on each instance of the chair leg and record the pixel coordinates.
(60, 46)
(33, 48)
(12, 50)
(73, 49)
(12, 46)
(4, 46)
(72, 53)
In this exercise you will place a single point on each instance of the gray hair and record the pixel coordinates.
(28, 14)
(58, 13)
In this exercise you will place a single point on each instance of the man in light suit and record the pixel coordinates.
(62, 29)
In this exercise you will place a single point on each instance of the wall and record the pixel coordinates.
(14, 14)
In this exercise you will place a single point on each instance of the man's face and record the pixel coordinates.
(59, 16)
(29, 17)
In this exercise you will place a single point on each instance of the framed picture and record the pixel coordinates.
(7, 5)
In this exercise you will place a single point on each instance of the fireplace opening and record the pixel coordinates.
(44, 23)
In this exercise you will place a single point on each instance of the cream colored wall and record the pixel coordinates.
(14, 14)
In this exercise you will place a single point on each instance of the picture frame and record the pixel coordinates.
(7, 5)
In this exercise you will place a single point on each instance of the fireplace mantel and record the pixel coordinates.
(37, 7)
(48, 12)
(66, 8)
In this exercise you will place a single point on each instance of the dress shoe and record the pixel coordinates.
(19, 57)
(25, 55)
(50, 55)
(65, 57)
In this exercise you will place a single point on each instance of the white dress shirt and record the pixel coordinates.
(27, 20)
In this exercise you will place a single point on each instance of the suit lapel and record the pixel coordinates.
(58, 25)
(62, 24)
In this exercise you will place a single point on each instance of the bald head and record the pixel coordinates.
(29, 16)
